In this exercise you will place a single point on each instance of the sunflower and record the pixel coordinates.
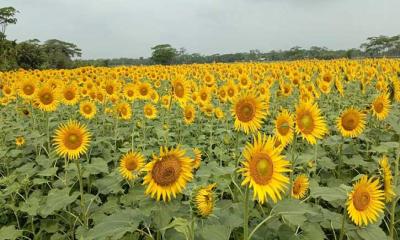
(131, 164)
(309, 122)
(205, 95)
(264, 168)
(150, 111)
(351, 122)
(381, 106)
(189, 114)
(165, 101)
(204, 200)
(27, 88)
(72, 139)
(219, 114)
(70, 94)
(143, 90)
(181, 90)
(249, 110)
(123, 110)
(197, 158)
(300, 186)
(168, 174)
(19, 141)
(130, 91)
(47, 98)
(231, 90)
(284, 127)
(365, 202)
(387, 179)
(87, 109)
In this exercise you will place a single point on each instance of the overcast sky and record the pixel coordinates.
(129, 28)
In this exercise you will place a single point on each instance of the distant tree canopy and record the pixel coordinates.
(163, 54)
(7, 17)
(382, 45)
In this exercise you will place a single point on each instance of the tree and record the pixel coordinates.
(59, 54)
(376, 46)
(163, 54)
(7, 17)
(30, 55)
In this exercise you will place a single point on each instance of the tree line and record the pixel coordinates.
(58, 54)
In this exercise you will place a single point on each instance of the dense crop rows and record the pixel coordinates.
(285, 150)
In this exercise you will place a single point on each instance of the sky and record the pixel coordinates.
(129, 28)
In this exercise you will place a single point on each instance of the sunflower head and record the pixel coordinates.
(72, 139)
(387, 179)
(87, 109)
(365, 202)
(47, 98)
(19, 141)
(300, 186)
(351, 123)
(249, 110)
(284, 127)
(150, 111)
(310, 122)
(381, 106)
(168, 173)
(264, 169)
(203, 200)
(189, 114)
(197, 158)
(131, 165)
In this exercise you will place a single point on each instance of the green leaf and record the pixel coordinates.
(181, 225)
(57, 199)
(294, 211)
(98, 165)
(52, 171)
(312, 231)
(9, 232)
(31, 206)
(329, 194)
(115, 225)
(215, 232)
(326, 163)
(372, 232)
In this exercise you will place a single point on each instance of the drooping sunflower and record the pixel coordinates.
(47, 98)
(19, 141)
(150, 111)
(351, 122)
(300, 186)
(87, 109)
(189, 114)
(168, 173)
(381, 106)
(264, 169)
(249, 110)
(204, 201)
(284, 127)
(197, 158)
(365, 202)
(387, 179)
(310, 122)
(131, 164)
(123, 110)
(72, 139)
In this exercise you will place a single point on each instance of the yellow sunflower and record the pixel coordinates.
(365, 202)
(249, 110)
(27, 88)
(381, 106)
(189, 114)
(47, 98)
(204, 200)
(72, 139)
(143, 90)
(264, 169)
(181, 90)
(87, 109)
(387, 179)
(70, 94)
(150, 111)
(168, 173)
(284, 127)
(310, 122)
(131, 164)
(351, 122)
(123, 110)
(300, 186)
(130, 91)
(19, 141)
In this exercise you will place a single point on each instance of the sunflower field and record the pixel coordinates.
(282, 150)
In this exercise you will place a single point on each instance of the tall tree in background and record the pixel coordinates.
(163, 54)
(381, 45)
(29, 54)
(59, 54)
(7, 17)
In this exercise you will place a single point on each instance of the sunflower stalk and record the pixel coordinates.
(246, 214)
(83, 215)
(394, 203)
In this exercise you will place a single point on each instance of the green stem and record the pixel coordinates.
(246, 214)
(340, 158)
(394, 203)
(341, 236)
(78, 166)
(260, 224)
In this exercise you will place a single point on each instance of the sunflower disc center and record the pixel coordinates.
(361, 200)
